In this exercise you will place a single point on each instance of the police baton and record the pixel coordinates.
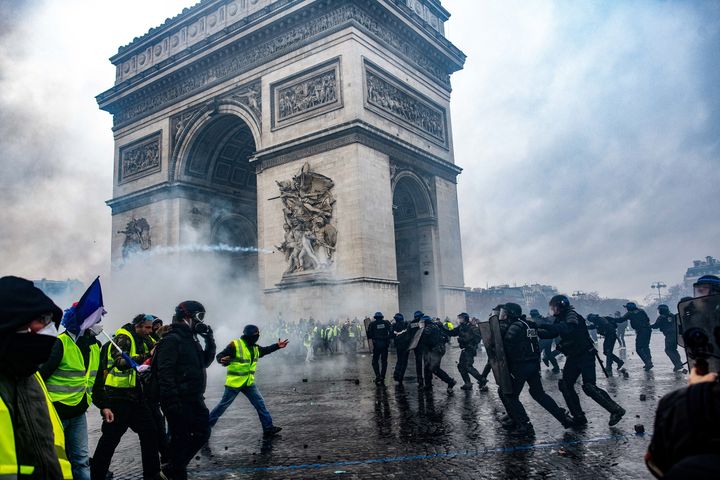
(127, 358)
(601, 363)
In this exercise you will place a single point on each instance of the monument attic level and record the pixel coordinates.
(295, 126)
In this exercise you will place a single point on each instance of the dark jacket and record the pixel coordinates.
(687, 422)
(380, 332)
(666, 324)
(571, 328)
(230, 351)
(32, 428)
(48, 368)
(180, 365)
(520, 341)
(468, 335)
(638, 319)
(402, 335)
(605, 326)
(434, 336)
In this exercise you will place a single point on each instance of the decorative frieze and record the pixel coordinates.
(306, 95)
(140, 158)
(395, 100)
(235, 60)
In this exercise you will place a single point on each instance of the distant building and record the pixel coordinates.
(709, 266)
(62, 292)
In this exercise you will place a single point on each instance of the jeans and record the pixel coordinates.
(76, 446)
(621, 333)
(547, 353)
(253, 394)
(401, 365)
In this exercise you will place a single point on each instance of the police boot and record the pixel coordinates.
(271, 431)
(564, 418)
(523, 429)
(571, 399)
(603, 399)
(482, 384)
(467, 386)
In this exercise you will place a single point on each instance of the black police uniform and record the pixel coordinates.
(380, 331)
(607, 327)
(402, 342)
(522, 352)
(640, 322)
(468, 340)
(667, 324)
(433, 341)
(579, 351)
(418, 351)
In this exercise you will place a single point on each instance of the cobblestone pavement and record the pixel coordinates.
(335, 428)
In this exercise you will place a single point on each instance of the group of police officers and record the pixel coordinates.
(149, 376)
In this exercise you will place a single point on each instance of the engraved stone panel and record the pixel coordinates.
(307, 94)
(140, 158)
(392, 99)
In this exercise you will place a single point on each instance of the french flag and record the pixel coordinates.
(89, 309)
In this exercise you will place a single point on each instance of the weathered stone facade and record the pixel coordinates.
(219, 105)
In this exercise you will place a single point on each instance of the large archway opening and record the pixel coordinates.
(218, 161)
(414, 230)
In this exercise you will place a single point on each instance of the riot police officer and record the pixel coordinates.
(607, 327)
(548, 356)
(579, 350)
(414, 326)
(667, 324)
(640, 322)
(380, 332)
(522, 352)
(402, 342)
(468, 339)
(434, 338)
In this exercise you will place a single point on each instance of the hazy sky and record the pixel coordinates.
(589, 133)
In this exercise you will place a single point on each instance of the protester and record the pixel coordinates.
(32, 442)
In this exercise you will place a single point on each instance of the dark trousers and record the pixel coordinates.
(401, 365)
(672, 352)
(137, 417)
(621, 335)
(547, 353)
(419, 364)
(466, 367)
(432, 358)
(379, 360)
(608, 347)
(642, 346)
(528, 372)
(583, 365)
(189, 431)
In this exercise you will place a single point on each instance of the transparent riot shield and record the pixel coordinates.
(490, 331)
(699, 332)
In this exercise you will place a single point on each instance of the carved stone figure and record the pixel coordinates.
(137, 237)
(308, 205)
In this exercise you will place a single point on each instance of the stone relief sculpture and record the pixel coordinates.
(140, 159)
(137, 237)
(307, 95)
(308, 205)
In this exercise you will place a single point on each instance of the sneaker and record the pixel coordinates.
(451, 385)
(483, 385)
(566, 420)
(272, 431)
(616, 416)
(647, 368)
(523, 429)
(467, 386)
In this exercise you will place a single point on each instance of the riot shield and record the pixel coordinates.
(416, 337)
(490, 331)
(699, 331)
(365, 340)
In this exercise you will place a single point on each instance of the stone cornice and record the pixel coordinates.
(356, 132)
(273, 41)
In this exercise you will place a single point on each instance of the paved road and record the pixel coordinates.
(334, 428)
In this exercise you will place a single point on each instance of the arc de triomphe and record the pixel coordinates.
(318, 130)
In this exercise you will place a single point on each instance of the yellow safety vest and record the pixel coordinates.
(117, 378)
(72, 379)
(9, 468)
(241, 371)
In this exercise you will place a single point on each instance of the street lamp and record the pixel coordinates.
(658, 285)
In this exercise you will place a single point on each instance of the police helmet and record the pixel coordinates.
(513, 309)
(398, 317)
(418, 315)
(712, 281)
(465, 317)
(630, 306)
(664, 309)
(560, 301)
(378, 316)
(534, 313)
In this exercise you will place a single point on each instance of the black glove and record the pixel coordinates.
(203, 329)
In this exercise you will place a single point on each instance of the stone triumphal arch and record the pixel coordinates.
(315, 132)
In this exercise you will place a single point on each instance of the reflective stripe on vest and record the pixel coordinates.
(72, 380)
(9, 469)
(117, 378)
(241, 371)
